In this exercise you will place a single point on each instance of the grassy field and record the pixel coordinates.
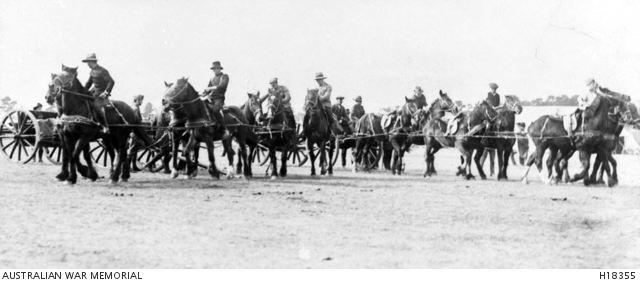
(364, 220)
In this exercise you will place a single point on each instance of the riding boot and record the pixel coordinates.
(103, 119)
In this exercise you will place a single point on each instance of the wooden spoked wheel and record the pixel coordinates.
(19, 136)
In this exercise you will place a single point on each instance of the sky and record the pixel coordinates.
(378, 49)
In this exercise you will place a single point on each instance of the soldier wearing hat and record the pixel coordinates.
(493, 97)
(358, 110)
(216, 90)
(100, 85)
(283, 96)
(419, 97)
(324, 94)
(341, 113)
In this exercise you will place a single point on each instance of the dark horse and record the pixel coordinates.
(472, 130)
(187, 106)
(368, 134)
(276, 135)
(78, 128)
(435, 129)
(597, 134)
(318, 133)
(400, 130)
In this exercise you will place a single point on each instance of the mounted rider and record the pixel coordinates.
(358, 110)
(494, 100)
(324, 100)
(340, 112)
(100, 85)
(419, 97)
(216, 91)
(283, 97)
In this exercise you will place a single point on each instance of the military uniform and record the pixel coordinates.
(284, 98)
(493, 99)
(357, 111)
(218, 95)
(100, 81)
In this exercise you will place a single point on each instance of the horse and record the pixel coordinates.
(597, 134)
(251, 113)
(548, 133)
(435, 129)
(318, 133)
(184, 101)
(78, 128)
(470, 128)
(503, 132)
(399, 130)
(276, 135)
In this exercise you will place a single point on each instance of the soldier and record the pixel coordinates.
(324, 94)
(216, 91)
(284, 96)
(357, 111)
(100, 85)
(493, 97)
(137, 101)
(419, 97)
(341, 114)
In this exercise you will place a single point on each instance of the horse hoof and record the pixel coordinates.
(525, 181)
(69, 183)
(113, 182)
(273, 178)
(124, 180)
(174, 174)
(612, 182)
(189, 177)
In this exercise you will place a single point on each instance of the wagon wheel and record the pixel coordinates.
(99, 154)
(372, 158)
(260, 154)
(336, 151)
(19, 136)
(299, 156)
(144, 156)
(54, 154)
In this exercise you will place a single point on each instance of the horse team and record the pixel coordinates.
(471, 132)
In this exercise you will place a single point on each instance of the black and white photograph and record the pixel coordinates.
(166, 134)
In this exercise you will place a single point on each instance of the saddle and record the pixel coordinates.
(388, 121)
(569, 123)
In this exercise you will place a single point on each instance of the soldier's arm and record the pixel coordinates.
(327, 94)
(287, 95)
(223, 84)
(110, 82)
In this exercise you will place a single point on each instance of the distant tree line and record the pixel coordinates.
(552, 100)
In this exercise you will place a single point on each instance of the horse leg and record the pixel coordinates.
(508, 154)
(212, 168)
(228, 148)
(344, 157)
(468, 165)
(309, 147)
(322, 147)
(271, 154)
(187, 151)
(428, 158)
(123, 159)
(284, 158)
(356, 154)
(478, 156)
(613, 163)
(599, 161)
(492, 153)
(75, 149)
(90, 164)
(64, 168)
(612, 181)
(584, 158)
(500, 154)
(175, 156)
(330, 162)
(244, 159)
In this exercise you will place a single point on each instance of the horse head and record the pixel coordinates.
(311, 99)
(446, 103)
(513, 104)
(178, 93)
(254, 107)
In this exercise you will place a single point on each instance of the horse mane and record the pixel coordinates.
(173, 91)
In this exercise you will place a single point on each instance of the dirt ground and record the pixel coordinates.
(364, 220)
